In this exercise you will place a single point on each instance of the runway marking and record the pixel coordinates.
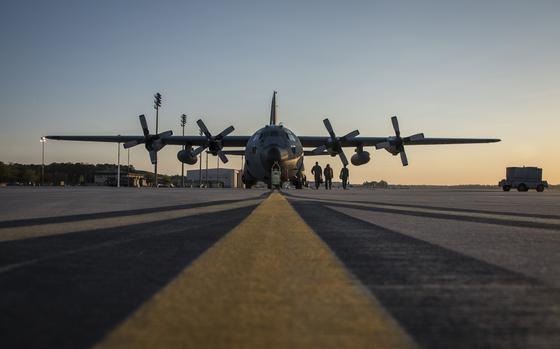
(455, 315)
(403, 208)
(450, 209)
(49, 229)
(118, 213)
(271, 282)
(110, 243)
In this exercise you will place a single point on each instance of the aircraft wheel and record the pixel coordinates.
(540, 188)
(522, 187)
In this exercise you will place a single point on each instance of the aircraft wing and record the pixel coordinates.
(114, 139)
(428, 141)
(228, 141)
(314, 141)
(317, 141)
(234, 152)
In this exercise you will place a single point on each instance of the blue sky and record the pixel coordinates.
(457, 69)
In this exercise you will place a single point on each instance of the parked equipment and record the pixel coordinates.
(523, 178)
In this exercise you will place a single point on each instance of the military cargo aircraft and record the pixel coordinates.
(273, 144)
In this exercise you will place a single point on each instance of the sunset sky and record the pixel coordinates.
(449, 69)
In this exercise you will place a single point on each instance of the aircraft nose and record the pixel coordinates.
(270, 156)
(273, 154)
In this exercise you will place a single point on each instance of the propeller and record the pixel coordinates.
(334, 144)
(214, 143)
(395, 145)
(153, 143)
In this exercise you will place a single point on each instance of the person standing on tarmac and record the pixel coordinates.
(344, 176)
(317, 171)
(328, 177)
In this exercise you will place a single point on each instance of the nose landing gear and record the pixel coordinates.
(275, 176)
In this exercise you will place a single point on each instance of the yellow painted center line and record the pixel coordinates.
(270, 283)
(500, 216)
(32, 231)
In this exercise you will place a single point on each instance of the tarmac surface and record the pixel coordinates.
(144, 268)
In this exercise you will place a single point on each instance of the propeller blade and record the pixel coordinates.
(132, 143)
(144, 125)
(153, 156)
(416, 137)
(198, 150)
(319, 150)
(226, 132)
(404, 159)
(329, 128)
(223, 157)
(203, 128)
(166, 134)
(343, 158)
(395, 122)
(351, 135)
(382, 145)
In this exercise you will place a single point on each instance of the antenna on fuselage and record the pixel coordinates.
(273, 109)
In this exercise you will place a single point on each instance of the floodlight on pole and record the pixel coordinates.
(157, 105)
(183, 122)
(43, 141)
(200, 168)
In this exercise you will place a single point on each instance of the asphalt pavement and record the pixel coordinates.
(242, 268)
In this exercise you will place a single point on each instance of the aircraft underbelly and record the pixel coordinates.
(260, 171)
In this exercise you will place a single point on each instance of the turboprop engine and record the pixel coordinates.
(360, 158)
(186, 156)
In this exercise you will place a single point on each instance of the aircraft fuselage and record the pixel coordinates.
(270, 144)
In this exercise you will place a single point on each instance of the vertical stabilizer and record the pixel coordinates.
(273, 110)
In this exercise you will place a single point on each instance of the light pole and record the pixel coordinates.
(242, 170)
(43, 141)
(157, 105)
(200, 169)
(128, 168)
(119, 165)
(206, 175)
(183, 119)
(217, 171)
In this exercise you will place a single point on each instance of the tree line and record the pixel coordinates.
(374, 184)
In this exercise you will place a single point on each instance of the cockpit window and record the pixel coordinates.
(291, 136)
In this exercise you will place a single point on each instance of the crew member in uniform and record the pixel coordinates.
(328, 176)
(344, 176)
(317, 171)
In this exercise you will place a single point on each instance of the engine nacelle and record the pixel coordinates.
(393, 150)
(186, 156)
(360, 158)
